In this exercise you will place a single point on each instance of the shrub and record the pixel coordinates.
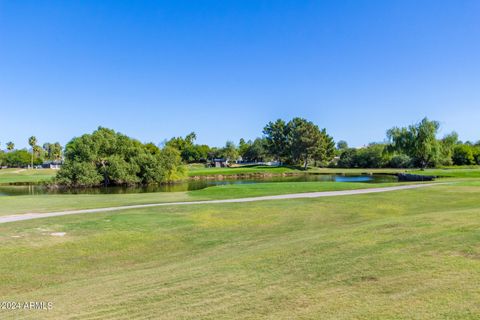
(347, 158)
(400, 161)
(463, 155)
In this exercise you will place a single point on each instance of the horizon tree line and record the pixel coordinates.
(416, 145)
(36, 156)
(301, 143)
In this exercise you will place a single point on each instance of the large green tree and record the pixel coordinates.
(111, 158)
(243, 147)
(371, 156)
(347, 158)
(276, 135)
(17, 158)
(189, 151)
(305, 140)
(342, 145)
(255, 151)
(418, 141)
(447, 145)
(53, 151)
(298, 142)
(230, 151)
(325, 150)
(476, 154)
(463, 154)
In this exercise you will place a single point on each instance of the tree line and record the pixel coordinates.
(296, 142)
(106, 157)
(414, 146)
(37, 155)
(300, 142)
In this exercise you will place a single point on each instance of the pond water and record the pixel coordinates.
(194, 184)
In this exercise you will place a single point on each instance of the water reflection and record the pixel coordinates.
(193, 184)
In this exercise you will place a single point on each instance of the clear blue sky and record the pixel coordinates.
(157, 69)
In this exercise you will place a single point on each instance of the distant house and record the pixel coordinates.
(219, 163)
(52, 165)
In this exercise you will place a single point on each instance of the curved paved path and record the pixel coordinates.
(29, 216)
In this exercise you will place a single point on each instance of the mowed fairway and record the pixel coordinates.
(410, 254)
(17, 175)
(48, 203)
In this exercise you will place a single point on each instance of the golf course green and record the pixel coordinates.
(410, 254)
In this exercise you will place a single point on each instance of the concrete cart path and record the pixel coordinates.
(29, 216)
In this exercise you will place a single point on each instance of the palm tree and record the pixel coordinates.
(10, 146)
(32, 141)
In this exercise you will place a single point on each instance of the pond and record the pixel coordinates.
(194, 184)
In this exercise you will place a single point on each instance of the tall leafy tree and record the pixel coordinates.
(108, 157)
(152, 148)
(463, 154)
(371, 156)
(447, 145)
(17, 158)
(307, 142)
(476, 154)
(243, 147)
(201, 152)
(256, 150)
(342, 145)
(53, 151)
(417, 141)
(325, 150)
(230, 151)
(276, 135)
(304, 140)
(347, 158)
(189, 151)
(298, 142)
(171, 166)
(190, 138)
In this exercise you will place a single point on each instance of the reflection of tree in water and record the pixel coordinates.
(192, 185)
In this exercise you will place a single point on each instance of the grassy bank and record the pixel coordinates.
(16, 175)
(200, 170)
(402, 255)
(448, 172)
(48, 203)
(452, 172)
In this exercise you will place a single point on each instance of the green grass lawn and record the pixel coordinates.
(356, 170)
(47, 203)
(452, 172)
(16, 175)
(448, 172)
(196, 170)
(200, 170)
(411, 254)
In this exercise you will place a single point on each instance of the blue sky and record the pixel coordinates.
(157, 69)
